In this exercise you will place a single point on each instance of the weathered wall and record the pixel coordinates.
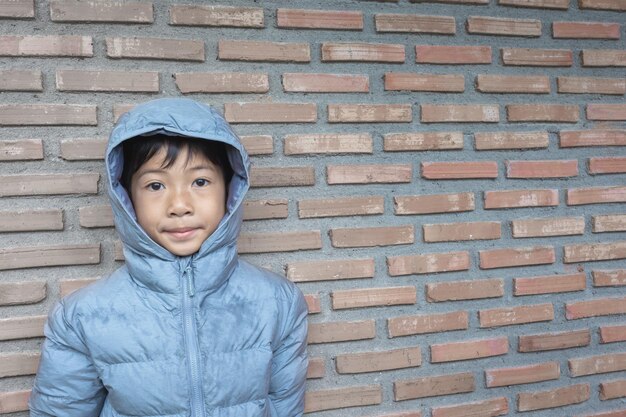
(443, 181)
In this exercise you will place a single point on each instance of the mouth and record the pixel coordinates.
(181, 233)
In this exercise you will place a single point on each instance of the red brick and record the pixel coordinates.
(21, 150)
(48, 184)
(368, 174)
(428, 263)
(156, 48)
(282, 177)
(47, 115)
(452, 2)
(538, 4)
(258, 144)
(594, 251)
(487, 83)
(118, 251)
(606, 111)
(279, 241)
(80, 149)
(469, 349)
(18, 363)
(313, 303)
(38, 256)
(553, 226)
(373, 297)
(430, 323)
(548, 284)
(95, 216)
(22, 327)
(68, 286)
(609, 278)
(346, 206)
(542, 113)
(450, 232)
(537, 57)
(363, 237)
(613, 389)
(316, 369)
(325, 83)
(437, 203)
(415, 413)
(319, 19)
(326, 270)
(369, 113)
(265, 209)
(452, 54)
(599, 364)
(264, 51)
(507, 316)
(222, 82)
(422, 141)
(521, 198)
(616, 5)
(354, 363)
(120, 109)
(17, 9)
(335, 398)
(270, 112)
(607, 165)
(460, 113)
(526, 374)
(557, 397)
(482, 25)
(595, 308)
(362, 52)
(510, 140)
(406, 81)
(554, 341)
(591, 85)
(433, 386)
(542, 169)
(509, 257)
(459, 170)
(20, 80)
(328, 143)
(107, 81)
(464, 290)
(101, 11)
(31, 220)
(414, 23)
(596, 195)
(616, 413)
(603, 57)
(612, 334)
(585, 30)
(341, 331)
(216, 16)
(595, 137)
(41, 46)
(14, 293)
(486, 408)
(13, 401)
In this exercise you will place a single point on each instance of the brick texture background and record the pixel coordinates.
(445, 181)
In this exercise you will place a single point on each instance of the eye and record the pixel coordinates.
(201, 182)
(155, 186)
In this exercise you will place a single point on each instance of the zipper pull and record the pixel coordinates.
(190, 289)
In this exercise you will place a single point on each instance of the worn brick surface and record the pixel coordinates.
(342, 397)
(324, 270)
(488, 408)
(500, 26)
(319, 19)
(14, 401)
(596, 195)
(13, 293)
(18, 363)
(362, 52)
(403, 81)
(542, 113)
(585, 30)
(534, 57)
(437, 203)
(522, 198)
(516, 315)
(372, 236)
(510, 140)
(352, 363)
(101, 11)
(49, 46)
(508, 257)
(553, 341)
(373, 297)
(464, 290)
(325, 83)
(606, 111)
(591, 85)
(20, 80)
(486, 83)
(431, 323)
(603, 58)
(31, 220)
(598, 364)
(465, 113)
(216, 16)
(558, 397)
(346, 206)
(413, 23)
(453, 54)
(594, 251)
(608, 278)
(595, 137)
(21, 150)
(449, 232)
(616, 5)
(592, 308)
(368, 174)
(369, 113)
(119, 81)
(282, 177)
(222, 82)
(258, 144)
(555, 226)
(240, 50)
(608, 165)
(525, 374)
(279, 241)
(22, 327)
(538, 4)
(418, 141)
(270, 112)
(612, 334)
(328, 143)
(613, 389)
(83, 148)
(341, 331)
(433, 386)
(36, 256)
(47, 114)
(155, 48)
(265, 209)
(459, 170)
(48, 184)
(17, 9)
(547, 284)
(427, 263)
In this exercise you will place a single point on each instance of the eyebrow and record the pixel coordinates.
(162, 170)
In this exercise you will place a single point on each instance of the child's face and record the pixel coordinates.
(181, 206)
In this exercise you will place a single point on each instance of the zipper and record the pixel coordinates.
(191, 342)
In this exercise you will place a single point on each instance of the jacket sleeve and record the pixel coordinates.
(67, 383)
(289, 366)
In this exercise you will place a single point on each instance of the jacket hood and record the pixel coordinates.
(148, 262)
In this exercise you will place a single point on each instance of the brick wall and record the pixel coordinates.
(445, 181)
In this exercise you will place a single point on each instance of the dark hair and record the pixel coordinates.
(140, 149)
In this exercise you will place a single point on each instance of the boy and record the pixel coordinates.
(185, 328)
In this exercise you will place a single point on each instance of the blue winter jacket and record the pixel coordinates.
(168, 336)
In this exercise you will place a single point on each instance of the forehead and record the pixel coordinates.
(183, 157)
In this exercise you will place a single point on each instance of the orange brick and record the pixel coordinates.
(507, 316)
(258, 144)
(596, 195)
(548, 284)
(325, 83)
(609, 278)
(521, 198)
(542, 113)
(433, 386)
(316, 369)
(369, 113)
(591, 85)
(602, 4)
(95, 216)
(156, 48)
(343, 206)
(487, 408)
(613, 389)
(585, 30)
(406, 81)
(606, 111)
(22, 327)
(538, 4)
(341, 331)
(373, 297)
(557, 397)
(553, 226)
(428, 263)
(21, 150)
(48, 184)
(612, 334)
(108, 81)
(313, 303)
(216, 16)
(47, 115)
(459, 170)
(594, 252)
(537, 57)
(437, 203)
(270, 112)
(264, 51)
(328, 143)
(481, 25)
(616, 413)
(120, 109)
(599, 364)
(414, 23)
(83, 148)
(603, 57)
(40, 46)
(526, 374)
(363, 237)
(38, 256)
(68, 286)
(31, 220)
(430, 323)
(20, 80)
(542, 169)
(335, 398)
(18, 363)
(13, 401)
(14, 293)
(362, 52)
(486, 83)
(101, 11)
(17, 9)
(319, 19)
(554, 341)
(118, 251)
(452, 54)
(354, 363)
(279, 241)
(368, 174)
(418, 141)
(222, 82)
(450, 232)
(464, 290)
(282, 177)
(509, 257)
(594, 308)
(510, 140)
(416, 413)
(606, 165)
(469, 349)
(326, 270)
(460, 113)
(595, 137)
(265, 209)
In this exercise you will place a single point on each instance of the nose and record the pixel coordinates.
(180, 204)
